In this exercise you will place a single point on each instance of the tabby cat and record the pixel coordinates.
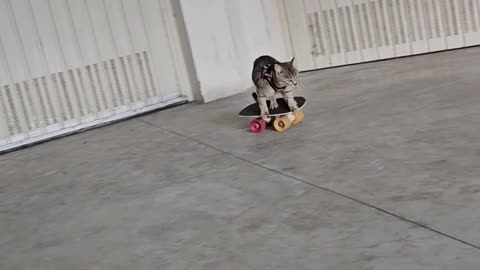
(271, 77)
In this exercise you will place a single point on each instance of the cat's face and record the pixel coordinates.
(286, 73)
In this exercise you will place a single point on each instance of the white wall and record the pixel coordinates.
(227, 35)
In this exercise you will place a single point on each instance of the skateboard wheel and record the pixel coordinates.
(298, 117)
(281, 124)
(257, 125)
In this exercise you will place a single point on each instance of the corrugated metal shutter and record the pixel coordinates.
(69, 64)
(329, 33)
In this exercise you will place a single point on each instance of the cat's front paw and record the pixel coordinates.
(273, 105)
(293, 107)
(264, 116)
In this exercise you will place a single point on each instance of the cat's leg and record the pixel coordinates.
(288, 97)
(273, 102)
(265, 92)
(262, 102)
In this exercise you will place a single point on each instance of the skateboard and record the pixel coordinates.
(281, 118)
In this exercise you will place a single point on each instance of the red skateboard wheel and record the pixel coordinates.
(257, 125)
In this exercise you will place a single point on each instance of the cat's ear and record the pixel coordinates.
(291, 61)
(278, 68)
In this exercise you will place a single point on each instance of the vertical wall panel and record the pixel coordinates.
(87, 50)
(138, 41)
(35, 60)
(158, 38)
(106, 47)
(69, 64)
(15, 62)
(118, 27)
(30, 52)
(7, 118)
(52, 56)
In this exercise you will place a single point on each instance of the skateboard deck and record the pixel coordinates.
(253, 110)
(282, 118)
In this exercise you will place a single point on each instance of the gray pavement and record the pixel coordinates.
(383, 174)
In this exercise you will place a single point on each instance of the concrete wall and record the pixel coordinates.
(227, 35)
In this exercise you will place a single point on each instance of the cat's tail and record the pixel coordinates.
(255, 96)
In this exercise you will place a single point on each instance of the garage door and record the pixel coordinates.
(329, 33)
(66, 65)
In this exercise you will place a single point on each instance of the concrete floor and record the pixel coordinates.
(383, 174)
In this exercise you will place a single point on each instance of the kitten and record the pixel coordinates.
(271, 77)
